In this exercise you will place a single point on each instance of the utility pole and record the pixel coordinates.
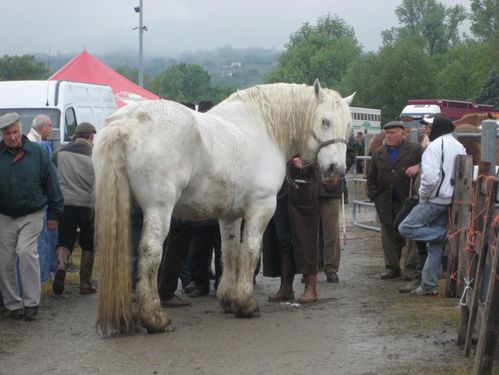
(142, 28)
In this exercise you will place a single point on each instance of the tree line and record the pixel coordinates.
(424, 57)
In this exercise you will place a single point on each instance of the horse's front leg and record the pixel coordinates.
(244, 304)
(155, 229)
(230, 233)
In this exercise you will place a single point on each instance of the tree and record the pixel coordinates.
(485, 18)
(430, 19)
(21, 68)
(490, 91)
(183, 83)
(323, 51)
(461, 71)
(387, 79)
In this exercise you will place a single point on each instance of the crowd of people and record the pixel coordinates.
(46, 206)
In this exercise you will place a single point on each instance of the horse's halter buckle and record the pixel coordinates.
(325, 143)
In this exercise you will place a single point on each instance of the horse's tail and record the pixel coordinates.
(112, 223)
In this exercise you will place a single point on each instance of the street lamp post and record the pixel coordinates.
(142, 28)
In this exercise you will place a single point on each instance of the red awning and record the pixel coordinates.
(88, 69)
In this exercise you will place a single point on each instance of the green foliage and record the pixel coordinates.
(485, 18)
(430, 19)
(21, 68)
(490, 91)
(187, 83)
(183, 83)
(387, 79)
(323, 51)
(461, 71)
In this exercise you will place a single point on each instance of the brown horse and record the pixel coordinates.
(475, 118)
(473, 145)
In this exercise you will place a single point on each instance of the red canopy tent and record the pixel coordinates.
(86, 68)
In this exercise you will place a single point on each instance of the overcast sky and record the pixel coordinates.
(175, 26)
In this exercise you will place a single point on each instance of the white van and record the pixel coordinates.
(66, 103)
(413, 113)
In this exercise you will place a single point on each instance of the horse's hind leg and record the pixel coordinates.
(244, 304)
(156, 225)
(230, 233)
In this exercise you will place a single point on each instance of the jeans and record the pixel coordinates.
(427, 222)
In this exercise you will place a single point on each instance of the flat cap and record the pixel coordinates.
(85, 128)
(427, 120)
(8, 119)
(394, 124)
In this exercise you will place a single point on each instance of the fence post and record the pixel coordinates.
(488, 144)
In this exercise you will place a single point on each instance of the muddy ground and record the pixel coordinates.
(360, 326)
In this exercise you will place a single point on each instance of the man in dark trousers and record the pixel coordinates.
(76, 177)
(388, 185)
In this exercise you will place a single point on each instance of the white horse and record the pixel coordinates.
(228, 164)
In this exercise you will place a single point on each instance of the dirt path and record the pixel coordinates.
(360, 326)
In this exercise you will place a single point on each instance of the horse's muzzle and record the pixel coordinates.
(333, 174)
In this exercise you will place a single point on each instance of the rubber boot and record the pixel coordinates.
(310, 293)
(60, 273)
(285, 291)
(86, 265)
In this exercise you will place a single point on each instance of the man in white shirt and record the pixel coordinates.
(428, 220)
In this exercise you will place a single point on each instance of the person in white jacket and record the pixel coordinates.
(428, 220)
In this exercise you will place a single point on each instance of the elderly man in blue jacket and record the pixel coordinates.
(28, 183)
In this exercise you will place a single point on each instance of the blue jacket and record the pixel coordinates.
(28, 184)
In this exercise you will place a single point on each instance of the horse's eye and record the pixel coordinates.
(325, 122)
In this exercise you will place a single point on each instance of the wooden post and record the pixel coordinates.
(460, 217)
(484, 208)
(487, 341)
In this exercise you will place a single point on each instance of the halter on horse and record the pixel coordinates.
(228, 163)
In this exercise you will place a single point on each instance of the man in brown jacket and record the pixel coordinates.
(388, 185)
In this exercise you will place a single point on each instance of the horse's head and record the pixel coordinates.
(330, 131)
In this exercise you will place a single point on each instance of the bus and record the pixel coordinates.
(366, 120)
(454, 109)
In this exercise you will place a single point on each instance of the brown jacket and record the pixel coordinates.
(383, 177)
(304, 225)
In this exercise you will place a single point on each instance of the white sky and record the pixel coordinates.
(175, 26)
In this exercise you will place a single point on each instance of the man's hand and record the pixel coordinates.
(52, 224)
(412, 171)
(297, 162)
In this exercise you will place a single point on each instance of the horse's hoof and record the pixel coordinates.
(226, 306)
(158, 329)
(250, 310)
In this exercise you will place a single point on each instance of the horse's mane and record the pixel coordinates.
(290, 110)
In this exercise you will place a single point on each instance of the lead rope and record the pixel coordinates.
(344, 229)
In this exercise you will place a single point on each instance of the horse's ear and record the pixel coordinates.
(317, 90)
(349, 99)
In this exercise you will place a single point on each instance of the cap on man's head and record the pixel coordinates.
(394, 124)
(85, 128)
(8, 119)
(427, 120)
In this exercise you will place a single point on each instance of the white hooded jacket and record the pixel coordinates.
(437, 165)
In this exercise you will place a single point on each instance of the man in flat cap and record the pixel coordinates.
(28, 183)
(388, 185)
(76, 177)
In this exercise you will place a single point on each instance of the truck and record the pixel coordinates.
(67, 103)
(454, 109)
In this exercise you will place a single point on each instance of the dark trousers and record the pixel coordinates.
(205, 240)
(72, 218)
(175, 251)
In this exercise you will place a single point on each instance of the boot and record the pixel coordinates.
(285, 291)
(60, 273)
(86, 265)
(310, 293)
